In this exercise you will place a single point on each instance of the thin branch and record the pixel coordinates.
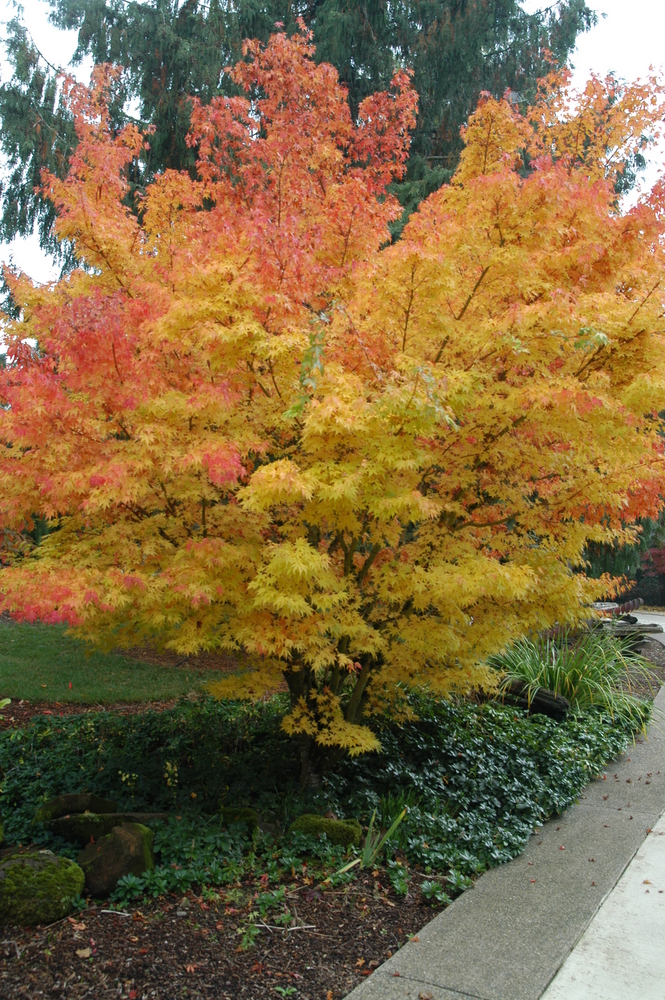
(373, 553)
(472, 293)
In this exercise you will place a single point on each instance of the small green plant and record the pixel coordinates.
(591, 671)
(156, 882)
(248, 932)
(285, 991)
(434, 892)
(372, 847)
(374, 842)
(266, 901)
(399, 878)
(459, 882)
(234, 897)
(128, 779)
(129, 887)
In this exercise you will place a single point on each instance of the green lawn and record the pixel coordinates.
(39, 662)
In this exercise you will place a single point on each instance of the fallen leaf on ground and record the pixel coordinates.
(84, 952)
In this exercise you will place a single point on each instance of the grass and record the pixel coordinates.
(591, 671)
(39, 662)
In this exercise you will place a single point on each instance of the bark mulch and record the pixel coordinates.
(174, 948)
(654, 652)
(19, 713)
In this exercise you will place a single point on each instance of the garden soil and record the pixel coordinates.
(173, 948)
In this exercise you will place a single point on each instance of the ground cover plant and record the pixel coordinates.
(251, 424)
(42, 663)
(475, 780)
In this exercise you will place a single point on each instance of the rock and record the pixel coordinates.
(241, 814)
(338, 831)
(65, 805)
(126, 850)
(37, 887)
(86, 826)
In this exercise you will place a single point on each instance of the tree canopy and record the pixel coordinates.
(256, 427)
(172, 52)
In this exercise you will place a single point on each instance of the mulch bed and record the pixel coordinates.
(19, 713)
(653, 651)
(175, 948)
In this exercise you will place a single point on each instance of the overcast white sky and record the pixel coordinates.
(627, 40)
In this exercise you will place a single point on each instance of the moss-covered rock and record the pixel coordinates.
(65, 805)
(37, 887)
(241, 814)
(338, 831)
(126, 850)
(80, 829)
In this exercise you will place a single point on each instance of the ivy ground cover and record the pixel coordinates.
(476, 778)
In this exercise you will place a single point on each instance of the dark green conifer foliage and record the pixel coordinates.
(632, 561)
(171, 50)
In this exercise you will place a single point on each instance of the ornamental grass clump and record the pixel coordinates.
(590, 671)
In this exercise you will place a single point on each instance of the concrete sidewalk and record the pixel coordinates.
(507, 938)
(652, 618)
(622, 952)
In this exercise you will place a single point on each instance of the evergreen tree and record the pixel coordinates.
(172, 51)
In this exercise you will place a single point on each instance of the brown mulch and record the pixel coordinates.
(654, 652)
(200, 662)
(19, 713)
(175, 948)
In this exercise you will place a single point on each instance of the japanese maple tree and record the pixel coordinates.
(253, 425)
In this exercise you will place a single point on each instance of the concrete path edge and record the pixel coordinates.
(507, 938)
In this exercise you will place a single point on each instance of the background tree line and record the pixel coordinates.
(172, 51)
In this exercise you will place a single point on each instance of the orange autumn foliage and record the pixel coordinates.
(254, 425)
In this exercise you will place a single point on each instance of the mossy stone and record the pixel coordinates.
(75, 802)
(241, 814)
(126, 850)
(37, 887)
(80, 829)
(338, 831)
